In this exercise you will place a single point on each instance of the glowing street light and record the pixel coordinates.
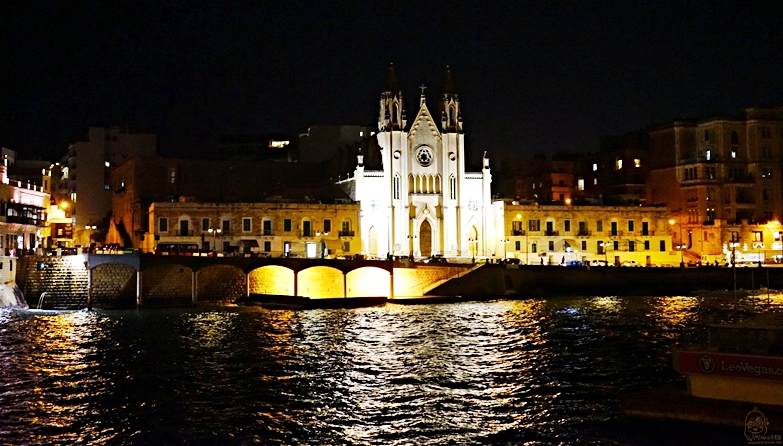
(214, 233)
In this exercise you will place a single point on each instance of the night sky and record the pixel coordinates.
(534, 77)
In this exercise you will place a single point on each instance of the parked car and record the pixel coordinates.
(600, 263)
(631, 263)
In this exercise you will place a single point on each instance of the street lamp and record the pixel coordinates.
(472, 244)
(603, 248)
(411, 244)
(505, 243)
(214, 233)
(321, 243)
(681, 247)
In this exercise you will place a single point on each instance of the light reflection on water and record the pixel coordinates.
(539, 371)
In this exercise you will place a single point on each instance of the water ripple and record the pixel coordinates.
(535, 371)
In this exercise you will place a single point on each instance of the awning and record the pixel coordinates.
(252, 243)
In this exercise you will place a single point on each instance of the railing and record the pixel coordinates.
(180, 233)
(346, 233)
(30, 186)
(517, 232)
(268, 232)
(582, 233)
(24, 220)
(551, 233)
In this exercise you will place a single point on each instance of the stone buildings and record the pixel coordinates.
(554, 234)
(86, 171)
(138, 184)
(722, 179)
(295, 229)
(22, 214)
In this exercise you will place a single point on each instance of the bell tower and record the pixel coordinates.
(450, 113)
(392, 114)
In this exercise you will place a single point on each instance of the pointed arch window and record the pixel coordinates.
(396, 186)
(453, 187)
(394, 114)
(734, 138)
(451, 115)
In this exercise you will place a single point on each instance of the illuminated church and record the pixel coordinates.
(422, 202)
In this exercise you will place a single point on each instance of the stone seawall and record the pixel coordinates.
(114, 281)
(63, 279)
(534, 281)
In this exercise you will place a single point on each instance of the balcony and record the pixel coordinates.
(346, 233)
(583, 233)
(517, 232)
(549, 233)
(24, 220)
(268, 232)
(187, 233)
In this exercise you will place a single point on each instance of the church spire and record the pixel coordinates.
(391, 81)
(392, 114)
(450, 113)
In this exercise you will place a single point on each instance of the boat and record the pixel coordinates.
(741, 362)
(734, 380)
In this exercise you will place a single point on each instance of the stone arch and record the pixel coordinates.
(113, 285)
(321, 282)
(368, 281)
(167, 285)
(220, 284)
(272, 279)
(372, 241)
(425, 238)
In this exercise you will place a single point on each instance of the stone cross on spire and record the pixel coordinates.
(422, 88)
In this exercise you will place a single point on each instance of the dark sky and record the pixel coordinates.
(533, 76)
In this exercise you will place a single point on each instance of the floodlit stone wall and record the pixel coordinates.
(272, 279)
(63, 279)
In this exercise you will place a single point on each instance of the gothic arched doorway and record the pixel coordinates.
(372, 242)
(425, 238)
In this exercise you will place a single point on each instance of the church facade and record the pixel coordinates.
(422, 202)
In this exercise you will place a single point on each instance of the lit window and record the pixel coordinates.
(709, 154)
(618, 164)
(172, 177)
(637, 162)
(595, 167)
(733, 153)
(361, 134)
(107, 164)
(595, 181)
(580, 184)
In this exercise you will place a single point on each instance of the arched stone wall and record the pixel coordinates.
(167, 285)
(368, 281)
(272, 279)
(320, 282)
(113, 286)
(220, 284)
